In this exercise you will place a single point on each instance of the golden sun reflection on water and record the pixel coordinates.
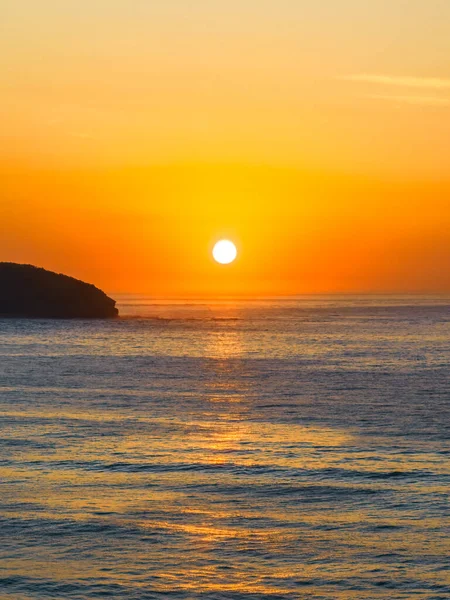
(214, 472)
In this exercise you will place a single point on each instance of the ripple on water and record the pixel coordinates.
(280, 450)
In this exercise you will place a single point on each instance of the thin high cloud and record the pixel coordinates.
(414, 100)
(435, 83)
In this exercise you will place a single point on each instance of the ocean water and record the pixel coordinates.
(277, 449)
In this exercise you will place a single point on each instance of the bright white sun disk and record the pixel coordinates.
(224, 252)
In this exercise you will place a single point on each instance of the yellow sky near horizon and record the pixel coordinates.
(315, 135)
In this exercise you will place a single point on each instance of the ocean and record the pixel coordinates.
(230, 449)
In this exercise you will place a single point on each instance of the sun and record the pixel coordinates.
(224, 252)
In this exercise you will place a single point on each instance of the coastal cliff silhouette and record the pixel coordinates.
(29, 291)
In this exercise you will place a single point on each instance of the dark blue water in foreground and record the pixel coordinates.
(231, 450)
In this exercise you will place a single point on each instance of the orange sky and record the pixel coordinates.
(316, 135)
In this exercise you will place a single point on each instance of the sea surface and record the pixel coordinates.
(277, 449)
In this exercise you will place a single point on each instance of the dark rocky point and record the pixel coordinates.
(27, 291)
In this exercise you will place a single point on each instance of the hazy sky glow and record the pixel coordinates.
(316, 135)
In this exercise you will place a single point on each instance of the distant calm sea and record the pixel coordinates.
(291, 448)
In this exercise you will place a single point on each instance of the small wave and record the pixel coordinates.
(177, 319)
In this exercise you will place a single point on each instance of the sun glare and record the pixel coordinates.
(224, 252)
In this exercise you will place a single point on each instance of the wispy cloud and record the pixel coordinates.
(415, 100)
(435, 83)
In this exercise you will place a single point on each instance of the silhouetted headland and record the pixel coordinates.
(28, 291)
